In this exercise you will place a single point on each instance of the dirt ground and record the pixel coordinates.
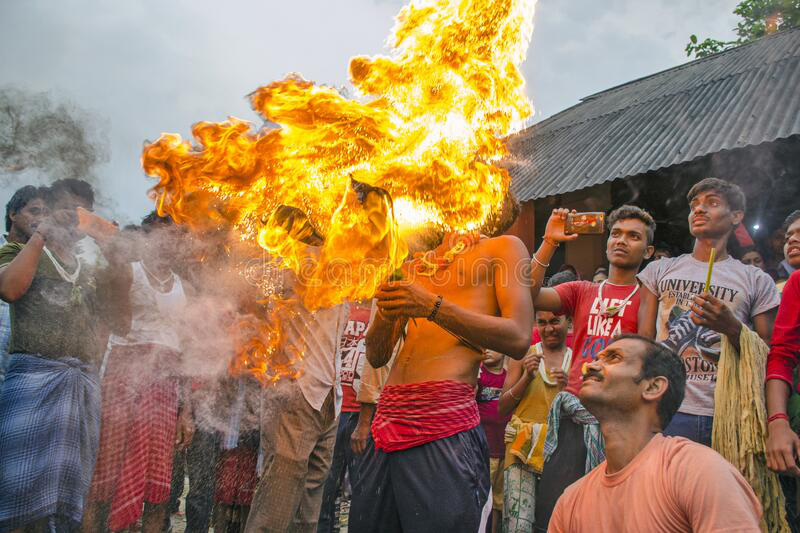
(178, 520)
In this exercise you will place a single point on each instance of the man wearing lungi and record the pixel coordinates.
(428, 468)
(49, 404)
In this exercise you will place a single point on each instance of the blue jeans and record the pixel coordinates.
(693, 427)
(343, 459)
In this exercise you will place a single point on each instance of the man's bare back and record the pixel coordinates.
(485, 300)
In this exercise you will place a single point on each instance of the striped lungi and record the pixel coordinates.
(236, 476)
(137, 434)
(49, 431)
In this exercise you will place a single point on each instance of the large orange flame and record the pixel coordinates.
(420, 146)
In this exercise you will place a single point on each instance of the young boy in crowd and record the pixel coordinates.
(599, 312)
(751, 255)
(676, 310)
(778, 242)
(490, 385)
(791, 245)
(529, 389)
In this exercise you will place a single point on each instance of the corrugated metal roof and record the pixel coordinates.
(744, 96)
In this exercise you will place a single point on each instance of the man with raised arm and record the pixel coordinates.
(24, 211)
(599, 311)
(61, 313)
(428, 467)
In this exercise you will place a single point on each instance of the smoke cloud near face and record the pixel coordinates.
(43, 139)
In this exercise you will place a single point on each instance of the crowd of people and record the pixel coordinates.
(468, 395)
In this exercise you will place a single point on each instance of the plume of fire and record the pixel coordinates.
(261, 352)
(419, 147)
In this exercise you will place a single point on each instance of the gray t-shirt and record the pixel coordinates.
(745, 289)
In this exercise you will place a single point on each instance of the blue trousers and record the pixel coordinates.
(693, 427)
(344, 460)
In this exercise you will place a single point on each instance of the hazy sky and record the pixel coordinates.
(145, 67)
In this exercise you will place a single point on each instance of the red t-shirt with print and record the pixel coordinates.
(353, 347)
(593, 331)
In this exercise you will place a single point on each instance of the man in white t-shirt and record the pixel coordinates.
(675, 310)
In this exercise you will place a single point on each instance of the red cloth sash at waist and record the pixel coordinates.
(418, 413)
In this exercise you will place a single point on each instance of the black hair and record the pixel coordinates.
(730, 191)
(661, 245)
(79, 188)
(627, 212)
(746, 250)
(658, 360)
(566, 267)
(501, 220)
(153, 219)
(793, 217)
(21, 198)
(565, 276)
(514, 209)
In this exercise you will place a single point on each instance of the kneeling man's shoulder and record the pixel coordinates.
(682, 451)
(689, 464)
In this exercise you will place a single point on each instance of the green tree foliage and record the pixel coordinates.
(759, 18)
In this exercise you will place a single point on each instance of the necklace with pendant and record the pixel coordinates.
(428, 264)
(71, 278)
(612, 310)
(76, 297)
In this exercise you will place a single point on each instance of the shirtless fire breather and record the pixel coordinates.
(427, 469)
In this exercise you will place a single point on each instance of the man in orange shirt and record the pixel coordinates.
(649, 482)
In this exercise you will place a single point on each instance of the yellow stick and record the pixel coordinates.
(710, 268)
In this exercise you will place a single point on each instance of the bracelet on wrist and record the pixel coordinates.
(551, 242)
(777, 416)
(436, 307)
(536, 260)
(511, 393)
